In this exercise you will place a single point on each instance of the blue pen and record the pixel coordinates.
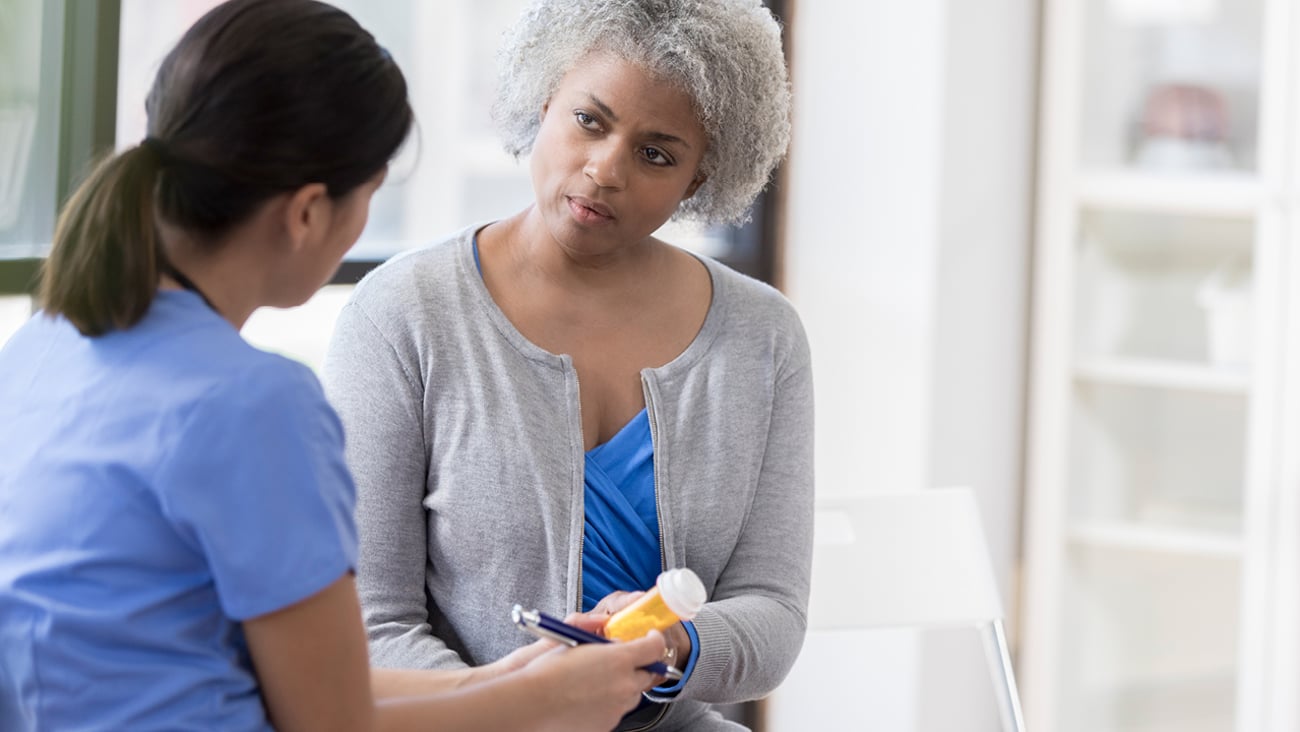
(544, 626)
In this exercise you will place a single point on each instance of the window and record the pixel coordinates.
(74, 76)
(454, 172)
(26, 106)
(55, 59)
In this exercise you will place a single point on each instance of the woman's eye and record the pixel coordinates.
(585, 119)
(656, 156)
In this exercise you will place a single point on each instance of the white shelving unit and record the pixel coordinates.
(1138, 537)
(1225, 194)
(1160, 586)
(1162, 374)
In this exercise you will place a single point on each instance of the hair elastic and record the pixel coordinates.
(158, 148)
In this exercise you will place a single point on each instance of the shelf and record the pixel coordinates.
(1167, 206)
(1193, 703)
(1164, 374)
(1145, 538)
(1202, 194)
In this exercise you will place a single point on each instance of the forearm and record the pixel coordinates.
(388, 683)
(585, 689)
(747, 646)
(505, 703)
(751, 634)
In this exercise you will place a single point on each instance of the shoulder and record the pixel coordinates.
(420, 298)
(258, 390)
(261, 425)
(252, 416)
(750, 308)
(192, 359)
(431, 271)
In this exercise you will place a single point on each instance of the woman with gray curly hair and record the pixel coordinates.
(553, 408)
(725, 56)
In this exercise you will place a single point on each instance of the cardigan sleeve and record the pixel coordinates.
(751, 636)
(376, 388)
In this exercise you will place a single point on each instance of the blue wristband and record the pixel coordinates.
(670, 691)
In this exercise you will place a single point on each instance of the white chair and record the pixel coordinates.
(914, 558)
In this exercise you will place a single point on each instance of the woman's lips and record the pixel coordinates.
(587, 211)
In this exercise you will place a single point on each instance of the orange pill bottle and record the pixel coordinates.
(678, 595)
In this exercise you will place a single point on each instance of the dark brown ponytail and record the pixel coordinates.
(103, 267)
(258, 98)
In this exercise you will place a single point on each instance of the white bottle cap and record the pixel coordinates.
(682, 591)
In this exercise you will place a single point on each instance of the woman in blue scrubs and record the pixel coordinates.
(177, 541)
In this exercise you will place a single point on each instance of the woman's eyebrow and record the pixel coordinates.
(609, 114)
(604, 108)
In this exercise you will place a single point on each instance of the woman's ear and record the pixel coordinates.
(695, 185)
(307, 214)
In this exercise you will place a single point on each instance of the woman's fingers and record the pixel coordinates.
(615, 601)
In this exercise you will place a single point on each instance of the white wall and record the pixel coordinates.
(907, 255)
(862, 197)
(979, 365)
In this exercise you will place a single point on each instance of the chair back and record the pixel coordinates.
(904, 558)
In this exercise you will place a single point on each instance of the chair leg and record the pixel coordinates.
(1004, 678)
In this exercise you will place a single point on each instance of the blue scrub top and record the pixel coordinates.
(157, 486)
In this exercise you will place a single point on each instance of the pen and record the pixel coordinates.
(544, 626)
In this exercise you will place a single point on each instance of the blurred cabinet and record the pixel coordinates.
(1161, 473)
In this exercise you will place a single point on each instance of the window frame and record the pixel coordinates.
(85, 38)
(79, 50)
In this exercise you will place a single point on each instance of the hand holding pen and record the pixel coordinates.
(545, 626)
(592, 685)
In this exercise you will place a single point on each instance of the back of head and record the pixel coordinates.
(725, 54)
(259, 97)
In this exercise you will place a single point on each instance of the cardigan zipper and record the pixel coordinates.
(655, 451)
(659, 519)
(582, 445)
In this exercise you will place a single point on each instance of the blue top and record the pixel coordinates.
(620, 548)
(158, 485)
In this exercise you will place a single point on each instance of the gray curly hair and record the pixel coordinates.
(725, 54)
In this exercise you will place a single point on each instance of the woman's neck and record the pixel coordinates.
(224, 275)
(527, 246)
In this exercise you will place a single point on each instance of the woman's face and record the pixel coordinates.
(350, 214)
(338, 223)
(616, 152)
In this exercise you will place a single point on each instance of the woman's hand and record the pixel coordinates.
(515, 660)
(614, 601)
(592, 686)
(521, 657)
(676, 641)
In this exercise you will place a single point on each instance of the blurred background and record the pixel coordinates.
(1047, 249)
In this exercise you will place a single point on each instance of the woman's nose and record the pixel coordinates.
(606, 166)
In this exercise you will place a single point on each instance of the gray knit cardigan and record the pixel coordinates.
(466, 442)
